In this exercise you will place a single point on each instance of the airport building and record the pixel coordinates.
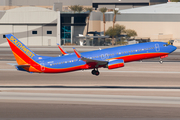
(47, 22)
(158, 22)
(52, 4)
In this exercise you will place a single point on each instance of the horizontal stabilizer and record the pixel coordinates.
(23, 67)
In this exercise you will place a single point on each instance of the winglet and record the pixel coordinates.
(61, 49)
(77, 53)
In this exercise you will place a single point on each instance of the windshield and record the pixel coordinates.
(166, 45)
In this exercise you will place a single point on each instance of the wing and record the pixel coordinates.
(99, 62)
(87, 60)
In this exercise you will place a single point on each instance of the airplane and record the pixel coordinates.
(110, 58)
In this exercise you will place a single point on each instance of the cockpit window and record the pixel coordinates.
(166, 45)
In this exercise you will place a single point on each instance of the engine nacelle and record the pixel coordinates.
(115, 64)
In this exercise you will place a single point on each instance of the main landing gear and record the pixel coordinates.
(95, 72)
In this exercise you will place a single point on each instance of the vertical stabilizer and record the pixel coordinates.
(21, 52)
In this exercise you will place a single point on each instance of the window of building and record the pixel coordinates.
(66, 34)
(4, 36)
(49, 32)
(34, 32)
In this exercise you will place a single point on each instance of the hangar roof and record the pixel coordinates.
(29, 15)
(166, 8)
(29, 9)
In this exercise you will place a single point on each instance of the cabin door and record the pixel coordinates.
(42, 67)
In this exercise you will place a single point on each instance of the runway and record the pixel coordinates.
(139, 90)
(134, 74)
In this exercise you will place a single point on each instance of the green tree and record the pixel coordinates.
(103, 10)
(88, 10)
(114, 18)
(114, 21)
(130, 33)
(111, 32)
(73, 8)
(118, 30)
(79, 8)
(76, 8)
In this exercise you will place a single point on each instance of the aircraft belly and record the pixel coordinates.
(137, 57)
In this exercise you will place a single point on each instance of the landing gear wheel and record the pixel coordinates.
(97, 73)
(161, 61)
(93, 72)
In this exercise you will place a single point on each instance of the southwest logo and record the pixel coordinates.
(22, 47)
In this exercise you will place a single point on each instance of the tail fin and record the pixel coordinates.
(21, 52)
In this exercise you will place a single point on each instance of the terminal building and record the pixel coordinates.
(47, 22)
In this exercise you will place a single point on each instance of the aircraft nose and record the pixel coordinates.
(174, 48)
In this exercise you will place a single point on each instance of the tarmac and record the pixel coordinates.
(141, 90)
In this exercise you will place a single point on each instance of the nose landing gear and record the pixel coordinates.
(161, 61)
(161, 58)
(95, 72)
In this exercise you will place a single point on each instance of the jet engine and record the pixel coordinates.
(115, 64)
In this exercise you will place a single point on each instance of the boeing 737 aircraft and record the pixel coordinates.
(110, 58)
